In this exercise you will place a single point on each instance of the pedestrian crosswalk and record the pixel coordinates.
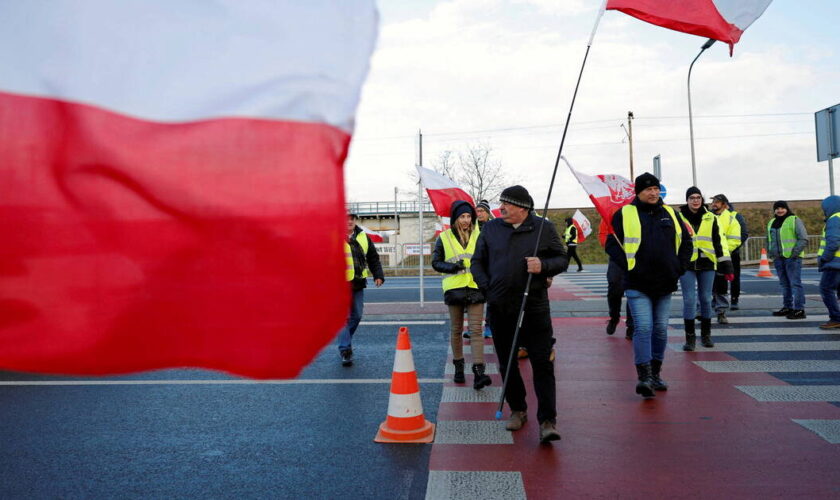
(587, 285)
(803, 358)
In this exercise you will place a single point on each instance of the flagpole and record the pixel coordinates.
(545, 215)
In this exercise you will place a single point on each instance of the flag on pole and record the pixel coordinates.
(442, 190)
(723, 20)
(171, 185)
(584, 228)
(608, 194)
(375, 236)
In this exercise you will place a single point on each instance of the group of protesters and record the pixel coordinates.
(507, 265)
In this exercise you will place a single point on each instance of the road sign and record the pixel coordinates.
(827, 124)
(662, 191)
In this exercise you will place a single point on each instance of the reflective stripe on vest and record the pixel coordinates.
(362, 239)
(730, 228)
(453, 252)
(633, 232)
(704, 241)
(822, 240)
(787, 235)
(569, 235)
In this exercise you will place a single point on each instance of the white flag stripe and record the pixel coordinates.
(591, 184)
(741, 13)
(171, 62)
(434, 180)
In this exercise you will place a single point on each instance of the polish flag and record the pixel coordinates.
(440, 227)
(584, 228)
(442, 191)
(608, 194)
(171, 185)
(375, 236)
(723, 20)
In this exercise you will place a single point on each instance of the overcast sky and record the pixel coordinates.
(502, 73)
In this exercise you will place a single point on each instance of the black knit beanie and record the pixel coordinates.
(517, 195)
(645, 181)
(781, 203)
(484, 204)
(692, 190)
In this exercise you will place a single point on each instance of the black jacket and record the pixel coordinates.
(658, 267)
(499, 266)
(362, 260)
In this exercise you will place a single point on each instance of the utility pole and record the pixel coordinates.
(396, 205)
(630, 140)
(420, 211)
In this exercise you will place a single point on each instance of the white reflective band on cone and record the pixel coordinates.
(403, 361)
(405, 405)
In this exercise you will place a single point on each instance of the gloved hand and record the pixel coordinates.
(729, 277)
(460, 265)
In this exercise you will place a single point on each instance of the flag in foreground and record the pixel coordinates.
(723, 20)
(442, 191)
(171, 186)
(608, 194)
(584, 228)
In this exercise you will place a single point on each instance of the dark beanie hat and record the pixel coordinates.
(781, 203)
(517, 195)
(692, 190)
(645, 181)
(569, 221)
(460, 207)
(484, 204)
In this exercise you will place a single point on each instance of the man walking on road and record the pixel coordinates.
(786, 240)
(501, 264)
(731, 230)
(362, 260)
(571, 237)
(651, 246)
(828, 261)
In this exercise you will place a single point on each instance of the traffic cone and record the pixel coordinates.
(764, 266)
(405, 422)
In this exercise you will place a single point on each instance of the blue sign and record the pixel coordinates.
(662, 191)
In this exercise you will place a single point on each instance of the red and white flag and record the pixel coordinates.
(608, 194)
(584, 228)
(375, 236)
(440, 227)
(155, 160)
(723, 20)
(442, 190)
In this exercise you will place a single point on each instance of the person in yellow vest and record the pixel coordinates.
(710, 254)
(453, 252)
(571, 239)
(786, 240)
(828, 261)
(731, 229)
(362, 260)
(651, 246)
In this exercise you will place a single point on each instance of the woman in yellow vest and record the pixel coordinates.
(786, 240)
(828, 261)
(710, 254)
(453, 250)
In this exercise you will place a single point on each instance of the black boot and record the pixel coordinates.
(459, 371)
(690, 336)
(480, 379)
(706, 332)
(645, 385)
(655, 370)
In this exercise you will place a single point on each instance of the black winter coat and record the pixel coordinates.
(658, 267)
(499, 267)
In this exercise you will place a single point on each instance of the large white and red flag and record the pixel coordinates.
(171, 185)
(723, 20)
(442, 190)
(375, 236)
(582, 224)
(608, 193)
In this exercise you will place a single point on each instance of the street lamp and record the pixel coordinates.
(705, 46)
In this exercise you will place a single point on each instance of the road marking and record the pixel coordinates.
(759, 319)
(767, 332)
(213, 382)
(767, 346)
(467, 485)
(402, 323)
(791, 393)
(826, 429)
(770, 366)
(472, 432)
(469, 395)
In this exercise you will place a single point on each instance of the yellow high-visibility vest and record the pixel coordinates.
(569, 235)
(703, 239)
(787, 235)
(822, 240)
(453, 252)
(348, 256)
(633, 232)
(731, 229)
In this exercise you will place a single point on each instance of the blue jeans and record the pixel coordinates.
(829, 281)
(356, 308)
(690, 283)
(790, 279)
(650, 320)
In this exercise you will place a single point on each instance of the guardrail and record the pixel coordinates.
(751, 248)
(387, 207)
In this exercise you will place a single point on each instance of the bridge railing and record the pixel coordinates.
(387, 207)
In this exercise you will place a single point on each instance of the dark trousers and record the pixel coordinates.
(572, 252)
(615, 291)
(735, 288)
(535, 335)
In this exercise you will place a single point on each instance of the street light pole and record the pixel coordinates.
(705, 46)
(630, 139)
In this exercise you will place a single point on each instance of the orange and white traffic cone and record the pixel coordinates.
(764, 266)
(405, 422)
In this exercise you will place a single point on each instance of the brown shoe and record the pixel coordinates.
(548, 432)
(522, 354)
(516, 421)
(831, 325)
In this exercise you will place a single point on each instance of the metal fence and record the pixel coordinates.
(405, 255)
(387, 207)
(751, 249)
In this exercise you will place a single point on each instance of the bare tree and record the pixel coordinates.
(480, 173)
